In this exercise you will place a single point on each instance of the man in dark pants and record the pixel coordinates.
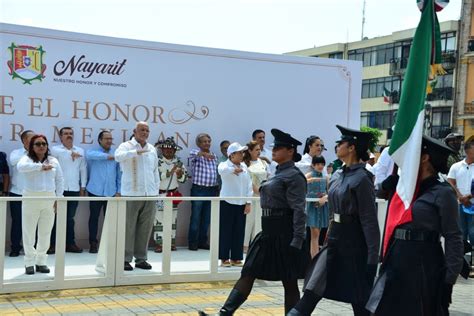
(16, 190)
(103, 180)
(204, 176)
(73, 163)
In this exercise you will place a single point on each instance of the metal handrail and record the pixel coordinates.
(112, 249)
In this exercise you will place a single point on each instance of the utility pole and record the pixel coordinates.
(363, 20)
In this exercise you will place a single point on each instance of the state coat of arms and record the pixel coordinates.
(26, 63)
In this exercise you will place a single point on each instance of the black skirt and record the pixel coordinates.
(270, 256)
(410, 281)
(338, 272)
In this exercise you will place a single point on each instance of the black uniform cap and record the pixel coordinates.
(358, 138)
(438, 151)
(283, 139)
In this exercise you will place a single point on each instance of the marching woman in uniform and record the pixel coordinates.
(276, 253)
(416, 277)
(345, 267)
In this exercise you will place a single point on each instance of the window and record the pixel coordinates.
(378, 119)
(448, 42)
(373, 88)
(440, 121)
(384, 54)
(376, 55)
(337, 55)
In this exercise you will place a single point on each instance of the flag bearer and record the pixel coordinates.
(416, 277)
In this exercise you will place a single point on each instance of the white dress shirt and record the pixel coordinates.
(75, 171)
(16, 178)
(383, 168)
(267, 153)
(235, 185)
(305, 165)
(140, 173)
(37, 180)
(463, 173)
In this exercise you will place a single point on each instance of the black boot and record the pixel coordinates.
(233, 302)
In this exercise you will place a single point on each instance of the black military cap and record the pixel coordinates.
(168, 143)
(358, 138)
(452, 136)
(283, 139)
(438, 151)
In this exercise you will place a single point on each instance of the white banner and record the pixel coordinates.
(51, 79)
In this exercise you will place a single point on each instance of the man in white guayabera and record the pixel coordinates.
(140, 177)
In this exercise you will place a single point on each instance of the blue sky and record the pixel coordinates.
(269, 26)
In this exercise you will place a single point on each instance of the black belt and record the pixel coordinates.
(166, 191)
(345, 218)
(406, 234)
(267, 212)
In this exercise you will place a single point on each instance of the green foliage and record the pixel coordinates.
(375, 136)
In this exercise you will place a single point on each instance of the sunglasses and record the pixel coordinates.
(39, 144)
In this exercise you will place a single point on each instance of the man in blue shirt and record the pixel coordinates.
(104, 180)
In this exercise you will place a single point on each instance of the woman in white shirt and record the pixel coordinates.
(43, 177)
(259, 171)
(314, 146)
(236, 182)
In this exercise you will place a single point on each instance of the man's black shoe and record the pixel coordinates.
(205, 247)
(127, 266)
(73, 248)
(193, 247)
(30, 270)
(14, 253)
(42, 269)
(93, 248)
(143, 265)
(51, 250)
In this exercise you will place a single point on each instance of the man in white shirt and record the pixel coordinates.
(74, 166)
(383, 168)
(370, 164)
(461, 177)
(140, 177)
(16, 190)
(258, 135)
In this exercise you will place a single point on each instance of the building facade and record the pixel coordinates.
(464, 106)
(384, 61)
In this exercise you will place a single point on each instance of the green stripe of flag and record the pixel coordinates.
(413, 95)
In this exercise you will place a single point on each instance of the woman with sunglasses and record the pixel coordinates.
(277, 252)
(43, 177)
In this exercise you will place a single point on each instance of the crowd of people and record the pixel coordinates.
(344, 258)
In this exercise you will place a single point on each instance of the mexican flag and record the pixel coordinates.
(387, 96)
(405, 147)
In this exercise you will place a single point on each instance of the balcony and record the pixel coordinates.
(448, 60)
(398, 65)
(441, 94)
